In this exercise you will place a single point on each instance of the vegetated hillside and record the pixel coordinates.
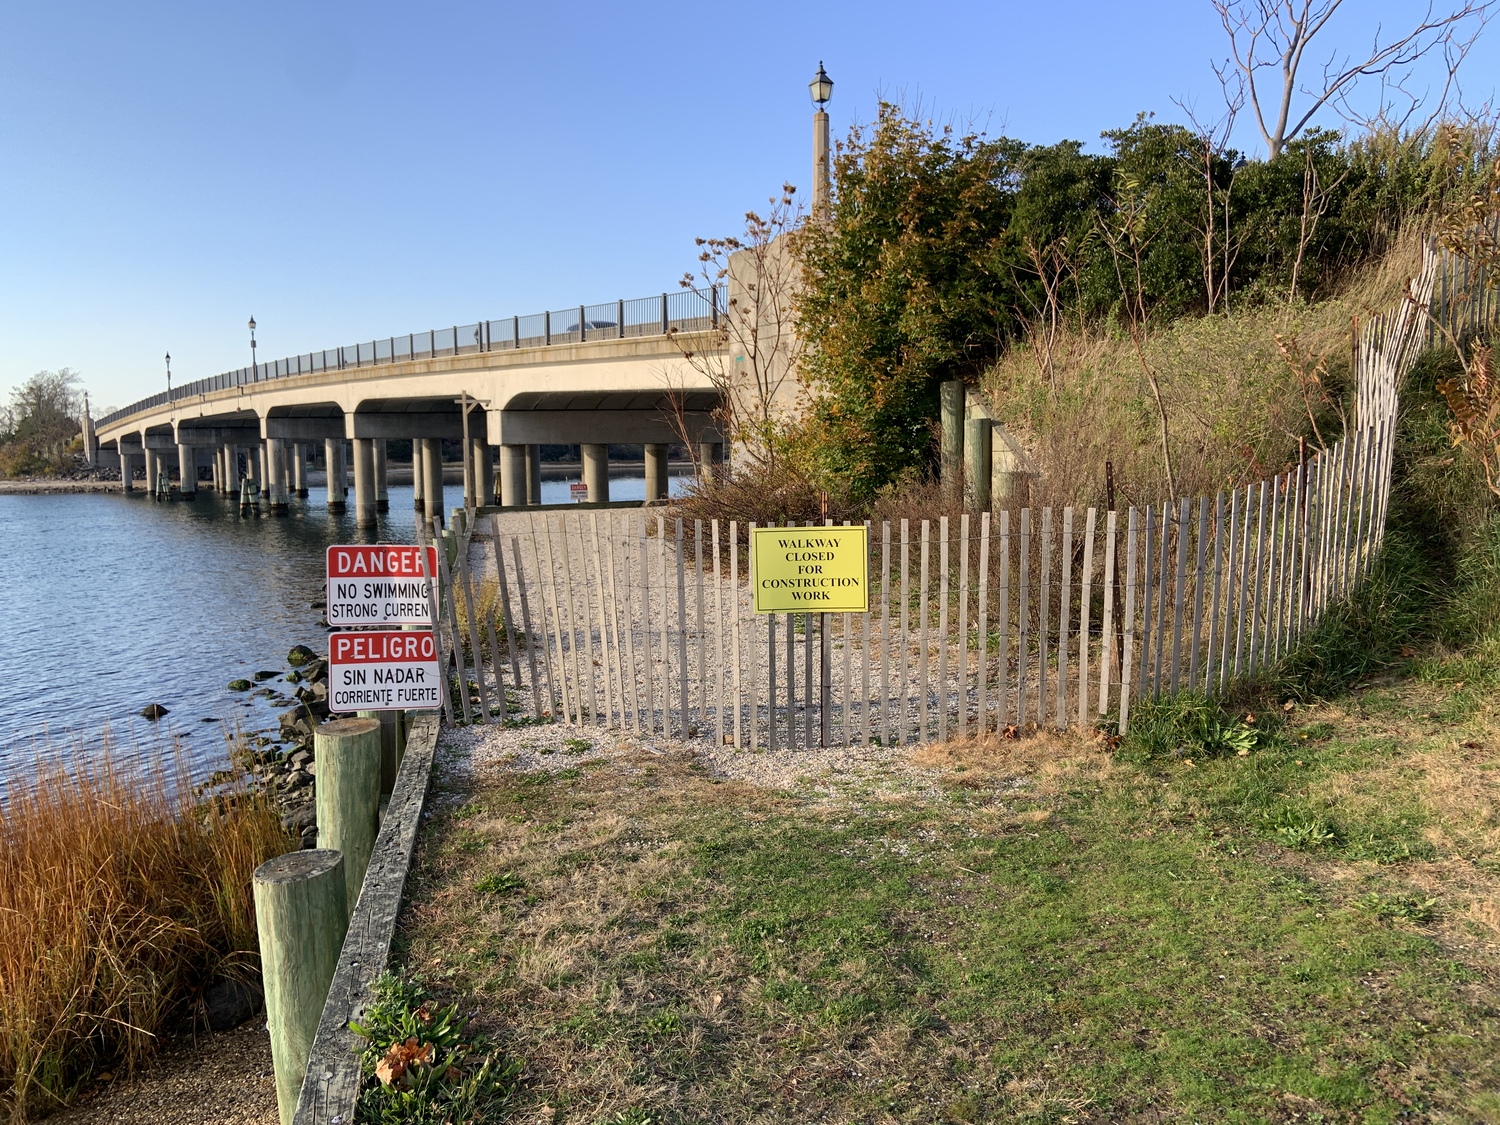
(1239, 389)
(948, 254)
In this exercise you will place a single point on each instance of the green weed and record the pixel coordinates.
(499, 883)
(1400, 908)
(422, 1065)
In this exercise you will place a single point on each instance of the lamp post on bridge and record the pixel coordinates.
(821, 89)
(253, 370)
(169, 374)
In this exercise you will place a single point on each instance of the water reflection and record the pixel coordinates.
(118, 601)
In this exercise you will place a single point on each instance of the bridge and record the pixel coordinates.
(591, 375)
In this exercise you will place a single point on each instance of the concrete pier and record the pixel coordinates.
(432, 478)
(533, 474)
(382, 479)
(127, 468)
(276, 461)
(710, 461)
(596, 472)
(656, 470)
(187, 471)
(512, 475)
(364, 483)
(481, 474)
(418, 474)
(333, 450)
(265, 472)
(299, 470)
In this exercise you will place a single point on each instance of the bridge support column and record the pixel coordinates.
(512, 475)
(418, 474)
(299, 470)
(187, 471)
(229, 467)
(127, 468)
(382, 479)
(338, 477)
(488, 490)
(364, 483)
(277, 476)
(218, 469)
(596, 472)
(432, 478)
(153, 461)
(710, 460)
(265, 472)
(481, 473)
(656, 471)
(533, 474)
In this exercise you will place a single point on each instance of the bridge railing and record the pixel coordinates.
(687, 310)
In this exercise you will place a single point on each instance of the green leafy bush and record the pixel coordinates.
(423, 1065)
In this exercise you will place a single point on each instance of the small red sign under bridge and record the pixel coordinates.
(384, 671)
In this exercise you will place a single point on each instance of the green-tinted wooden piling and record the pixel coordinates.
(302, 912)
(951, 401)
(392, 739)
(978, 433)
(346, 756)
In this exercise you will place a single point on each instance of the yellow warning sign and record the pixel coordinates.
(811, 569)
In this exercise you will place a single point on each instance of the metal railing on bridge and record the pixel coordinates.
(688, 310)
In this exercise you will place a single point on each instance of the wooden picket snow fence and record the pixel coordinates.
(643, 623)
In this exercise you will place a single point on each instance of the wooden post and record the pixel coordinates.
(1110, 580)
(1127, 657)
(885, 631)
(301, 911)
(347, 754)
(982, 628)
(1002, 623)
(1023, 618)
(923, 664)
(963, 625)
(951, 395)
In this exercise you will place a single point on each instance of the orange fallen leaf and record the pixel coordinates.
(401, 1057)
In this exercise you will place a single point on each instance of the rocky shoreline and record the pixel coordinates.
(281, 762)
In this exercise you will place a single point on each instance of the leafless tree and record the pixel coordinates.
(1128, 240)
(1269, 40)
(753, 349)
(1052, 264)
(1218, 245)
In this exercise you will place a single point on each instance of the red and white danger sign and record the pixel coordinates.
(380, 585)
(383, 671)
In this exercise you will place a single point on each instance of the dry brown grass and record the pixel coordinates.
(1048, 763)
(1235, 409)
(121, 896)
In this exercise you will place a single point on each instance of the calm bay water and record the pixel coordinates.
(118, 601)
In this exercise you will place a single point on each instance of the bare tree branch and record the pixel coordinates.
(1274, 35)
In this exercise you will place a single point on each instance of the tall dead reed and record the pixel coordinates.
(122, 895)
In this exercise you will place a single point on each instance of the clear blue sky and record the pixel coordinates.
(343, 171)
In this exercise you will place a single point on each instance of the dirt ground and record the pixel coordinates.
(220, 1079)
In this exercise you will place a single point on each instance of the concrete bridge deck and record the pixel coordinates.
(597, 382)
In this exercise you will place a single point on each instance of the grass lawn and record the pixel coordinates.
(1033, 930)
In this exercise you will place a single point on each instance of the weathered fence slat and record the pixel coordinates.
(963, 625)
(1002, 623)
(1085, 603)
(1127, 654)
(1024, 616)
(981, 718)
(1107, 634)
(1064, 594)
(1179, 591)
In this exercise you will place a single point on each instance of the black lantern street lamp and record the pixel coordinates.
(169, 374)
(253, 370)
(821, 87)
